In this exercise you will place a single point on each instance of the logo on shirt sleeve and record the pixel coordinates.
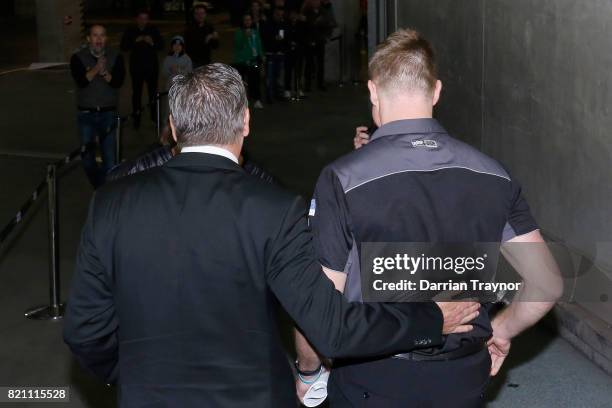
(313, 208)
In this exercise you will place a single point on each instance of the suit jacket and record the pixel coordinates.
(178, 278)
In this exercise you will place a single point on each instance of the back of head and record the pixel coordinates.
(404, 62)
(208, 106)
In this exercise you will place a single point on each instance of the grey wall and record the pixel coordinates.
(530, 83)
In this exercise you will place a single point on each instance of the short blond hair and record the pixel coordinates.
(405, 62)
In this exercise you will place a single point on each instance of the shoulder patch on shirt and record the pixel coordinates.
(313, 208)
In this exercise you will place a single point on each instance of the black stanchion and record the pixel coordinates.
(341, 60)
(158, 115)
(118, 140)
(55, 309)
(159, 119)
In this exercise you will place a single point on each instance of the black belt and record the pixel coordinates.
(97, 109)
(463, 351)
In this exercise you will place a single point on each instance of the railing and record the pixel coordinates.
(158, 123)
(55, 309)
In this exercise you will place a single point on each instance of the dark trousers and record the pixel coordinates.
(294, 63)
(395, 383)
(139, 77)
(315, 64)
(274, 66)
(251, 74)
(103, 125)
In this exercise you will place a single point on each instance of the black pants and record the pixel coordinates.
(251, 74)
(139, 77)
(315, 64)
(394, 383)
(293, 70)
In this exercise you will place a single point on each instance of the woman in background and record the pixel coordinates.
(248, 58)
(177, 62)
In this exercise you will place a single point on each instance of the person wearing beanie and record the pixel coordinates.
(177, 62)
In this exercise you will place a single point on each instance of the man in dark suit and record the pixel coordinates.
(181, 268)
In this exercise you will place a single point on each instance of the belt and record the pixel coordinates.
(464, 351)
(97, 109)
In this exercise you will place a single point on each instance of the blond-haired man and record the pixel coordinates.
(413, 182)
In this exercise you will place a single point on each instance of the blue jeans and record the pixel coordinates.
(102, 125)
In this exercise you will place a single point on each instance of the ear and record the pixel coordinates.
(373, 93)
(247, 119)
(172, 128)
(437, 92)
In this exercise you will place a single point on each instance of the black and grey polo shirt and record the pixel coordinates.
(413, 183)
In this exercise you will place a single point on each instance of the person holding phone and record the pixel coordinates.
(274, 42)
(363, 133)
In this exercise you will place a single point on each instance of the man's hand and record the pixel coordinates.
(148, 39)
(498, 349)
(101, 65)
(457, 315)
(361, 138)
(98, 69)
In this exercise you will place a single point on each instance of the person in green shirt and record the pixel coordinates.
(248, 58)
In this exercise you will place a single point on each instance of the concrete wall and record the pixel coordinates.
(529, 82)
(24, 8)
(340, 56)
(57, 38)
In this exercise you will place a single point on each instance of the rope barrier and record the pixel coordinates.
(27, 205)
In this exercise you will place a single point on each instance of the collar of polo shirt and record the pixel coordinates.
(409, 126)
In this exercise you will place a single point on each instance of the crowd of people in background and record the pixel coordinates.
(279, 50)
(278, 46)
(285, 44)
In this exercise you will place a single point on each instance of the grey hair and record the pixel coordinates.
(208, 106)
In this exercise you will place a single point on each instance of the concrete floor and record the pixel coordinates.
(293, 141)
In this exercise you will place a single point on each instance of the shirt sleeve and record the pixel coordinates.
(158, 40)
(118, 73)
(333, 238)
(78, 71)
(90, 325)
(520, 220)
(213, 43)
(127, 41)
(335, 327)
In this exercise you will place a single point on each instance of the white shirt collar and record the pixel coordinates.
(219, 151)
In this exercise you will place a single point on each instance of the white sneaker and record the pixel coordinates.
(258, 105)
(301, 94)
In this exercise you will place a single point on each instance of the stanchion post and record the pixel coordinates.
(118, 140)
(297, 72)
(341, 53)
(55, 309)
(158, 115)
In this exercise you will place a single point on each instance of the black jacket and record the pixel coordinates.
(270, 36)
(143, 56)
(196, 46)
(161, 154)
(178, 277)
